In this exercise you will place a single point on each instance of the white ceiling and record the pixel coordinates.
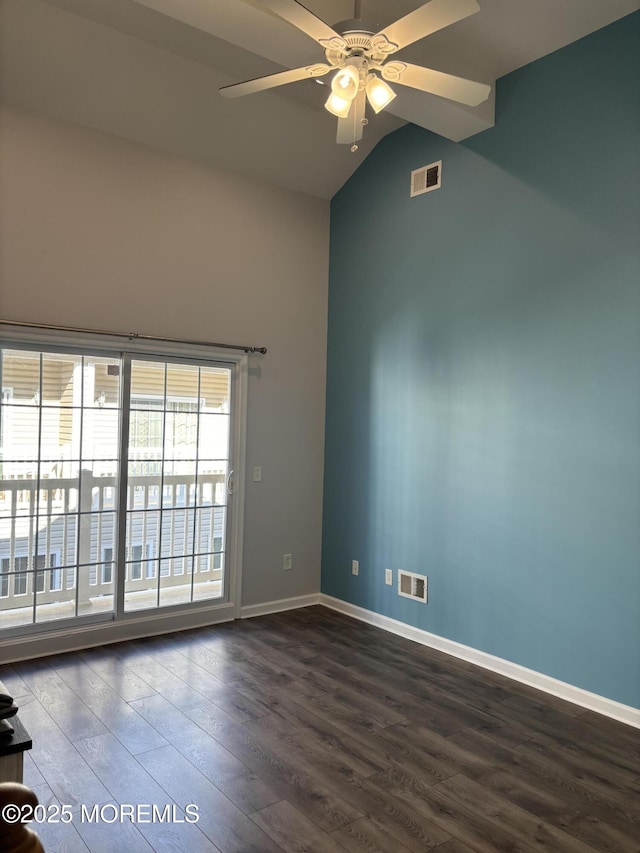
(150, 70)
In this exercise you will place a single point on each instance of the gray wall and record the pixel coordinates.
(103, 233)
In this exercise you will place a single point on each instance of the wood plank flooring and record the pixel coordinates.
(310, 731)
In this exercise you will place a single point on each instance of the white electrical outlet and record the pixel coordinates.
(355, 567)
(257, 474)
(287, 562)
(388, 577)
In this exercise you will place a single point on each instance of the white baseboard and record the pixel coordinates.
(251, 610)
(592, 701)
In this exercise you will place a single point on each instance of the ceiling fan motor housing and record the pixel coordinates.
(357, 34)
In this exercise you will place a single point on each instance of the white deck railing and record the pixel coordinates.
(58, 537)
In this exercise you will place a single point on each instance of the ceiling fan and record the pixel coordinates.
(359, 55)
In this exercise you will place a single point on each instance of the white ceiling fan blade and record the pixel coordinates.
(351, 128)
(344, 135)
(259, 84)
(422, 22)
(436, 83)
(310, 24)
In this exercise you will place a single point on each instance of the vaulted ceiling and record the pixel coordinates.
(150, 70)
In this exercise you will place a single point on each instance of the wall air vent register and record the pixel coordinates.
(413, 586)
(426, 178)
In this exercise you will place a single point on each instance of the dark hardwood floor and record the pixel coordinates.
(309, 731)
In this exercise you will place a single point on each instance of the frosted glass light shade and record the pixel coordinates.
(346, 82)
(338, 106)
(379, 93)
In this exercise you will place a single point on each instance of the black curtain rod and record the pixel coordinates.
(133, 336)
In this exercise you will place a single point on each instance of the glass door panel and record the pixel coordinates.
(59, 459)
(179, 455)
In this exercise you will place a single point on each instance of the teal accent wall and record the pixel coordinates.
(483, 404)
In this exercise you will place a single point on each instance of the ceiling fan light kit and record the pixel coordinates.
(344, 88)
(355, 50)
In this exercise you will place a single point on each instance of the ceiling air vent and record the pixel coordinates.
(426, 178)
(413, 586)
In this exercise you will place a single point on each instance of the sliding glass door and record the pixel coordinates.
(114, 484)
